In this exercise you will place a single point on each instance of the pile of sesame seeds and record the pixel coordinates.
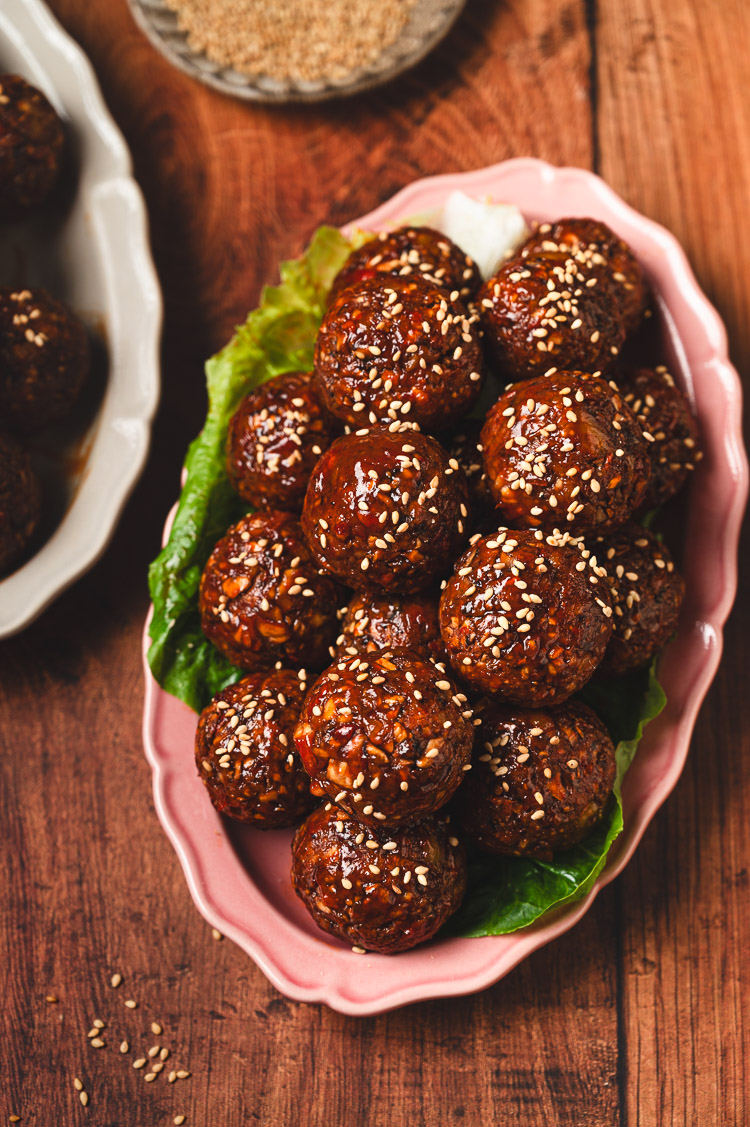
(292, 39)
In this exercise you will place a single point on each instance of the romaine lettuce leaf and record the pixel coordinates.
(506, 894)
(278, 336)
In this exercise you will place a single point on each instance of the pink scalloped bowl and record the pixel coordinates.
(239, 877)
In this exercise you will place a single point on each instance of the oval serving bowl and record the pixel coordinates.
(239, 878)
(88, 246)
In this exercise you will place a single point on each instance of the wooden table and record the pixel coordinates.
(636, 1016)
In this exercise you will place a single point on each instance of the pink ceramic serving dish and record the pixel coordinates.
(239, 877)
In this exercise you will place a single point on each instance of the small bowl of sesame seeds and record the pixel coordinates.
(529, 610)
(294, 50)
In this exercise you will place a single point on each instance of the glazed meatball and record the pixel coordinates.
(387, 510)
(647, 593)
(19, 501)
(669, 427)
(395, 348)
(380, 890)
(526, 616)
(541, 780)
(466, 447)
(262, 598)
(31, 147)
(386, 736)
(276, 436)
(374, 621)
(245, 754)
(418, 251)
(540, 313)
(44, 358)
(597, 250)
(565, 451)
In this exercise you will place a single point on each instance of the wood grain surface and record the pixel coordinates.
(638, 1016)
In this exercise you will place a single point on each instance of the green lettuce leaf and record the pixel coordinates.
(506, 894)
(278, 336)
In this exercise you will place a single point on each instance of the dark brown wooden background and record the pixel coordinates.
(638, 1016)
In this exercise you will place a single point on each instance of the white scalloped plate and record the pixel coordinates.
(239, 877)
(89, 247)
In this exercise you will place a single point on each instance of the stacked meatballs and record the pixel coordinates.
(421, 595)
(44, 347)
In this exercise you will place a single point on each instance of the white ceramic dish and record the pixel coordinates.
(90, 248)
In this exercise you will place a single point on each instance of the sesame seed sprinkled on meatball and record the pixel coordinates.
(539, 311)
(276, 436)
(395, 348)
(598, 250)
(386, 510)
(377, 621)
(663, 411)
(541, 779)
(410, 251)
(526, 616)
(262, 597)
(245, 753)
(44, 358)
(379, 889)
(565, 451)
(386, 736)
(647, 592)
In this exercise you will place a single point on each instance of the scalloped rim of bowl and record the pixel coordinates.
(116, 213)
(302, 963)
